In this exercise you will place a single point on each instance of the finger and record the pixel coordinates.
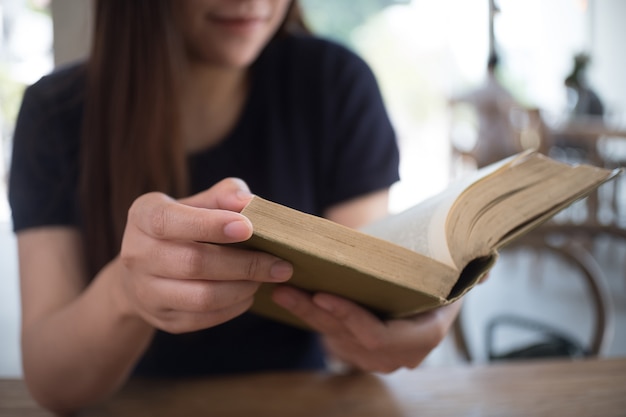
(203, 261)
(229, 194)
(301, 305)
(424, 331)
(385, 360)
(196, 296)
(421, 332)
(174, 321)
(364, 326)
(161, 217)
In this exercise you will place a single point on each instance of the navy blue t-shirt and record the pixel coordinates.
(313, 133)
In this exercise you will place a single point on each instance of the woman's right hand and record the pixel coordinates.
(176, 273)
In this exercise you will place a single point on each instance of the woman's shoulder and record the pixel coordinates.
(62, 84)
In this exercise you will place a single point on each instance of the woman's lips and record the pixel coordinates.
(238, 24)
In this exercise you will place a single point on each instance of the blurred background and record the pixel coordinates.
(427, 55)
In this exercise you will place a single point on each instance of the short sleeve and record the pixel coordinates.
(362, 155)
(43, 170)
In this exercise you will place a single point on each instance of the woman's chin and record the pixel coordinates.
(233, 59)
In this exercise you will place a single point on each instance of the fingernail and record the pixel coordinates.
(244, 194)
(281, 271)
(239, 229)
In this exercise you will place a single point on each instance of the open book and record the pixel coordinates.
(428, 255)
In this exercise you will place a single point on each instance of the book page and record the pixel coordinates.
(419, 228)
(422, 228)
(530, 207)
(508, 203)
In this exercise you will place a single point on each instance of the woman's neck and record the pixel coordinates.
(212, 102)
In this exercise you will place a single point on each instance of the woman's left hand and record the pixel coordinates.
(360, 339)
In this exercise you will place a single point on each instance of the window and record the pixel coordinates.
(423, 52)
(25, 55)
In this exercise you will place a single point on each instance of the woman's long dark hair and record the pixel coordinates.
(131, 140)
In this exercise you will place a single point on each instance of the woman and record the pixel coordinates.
(124, 164)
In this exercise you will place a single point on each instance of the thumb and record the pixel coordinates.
(231, 194)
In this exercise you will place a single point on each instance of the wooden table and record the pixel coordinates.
(550, 388)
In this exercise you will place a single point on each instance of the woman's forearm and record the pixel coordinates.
(84, 351)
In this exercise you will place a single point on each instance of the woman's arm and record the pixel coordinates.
(80, 342)
(360, 211)
(84, 337)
